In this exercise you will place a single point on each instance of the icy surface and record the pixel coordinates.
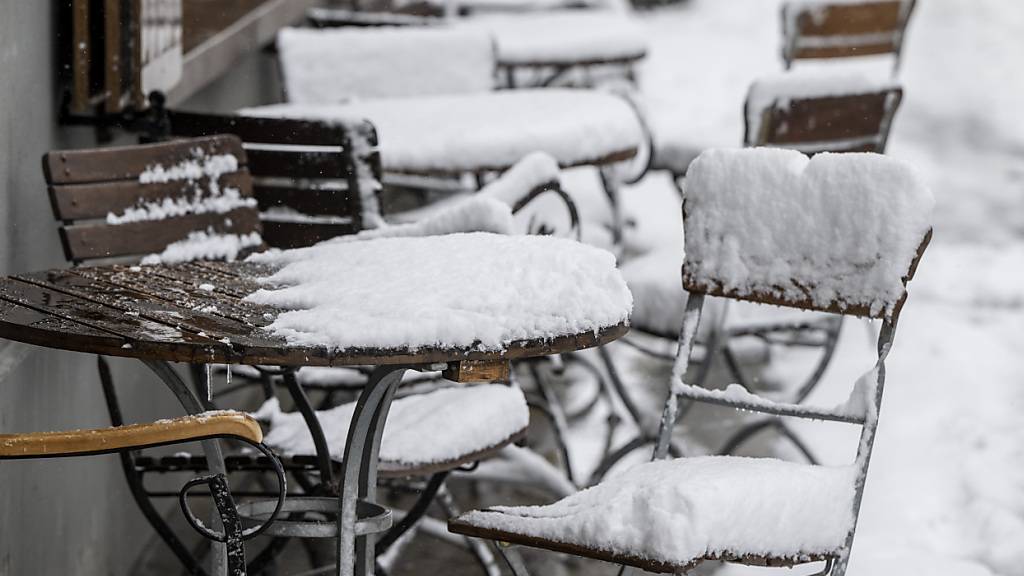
(839, 228)
(478, 290)
(325, 66)
(205, 245)
(683, 509)
(562, 36)
(442, 425)
(466, 132)
(779, 89)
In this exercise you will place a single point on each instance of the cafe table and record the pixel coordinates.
(196, 313)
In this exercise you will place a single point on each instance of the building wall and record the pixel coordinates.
(68, 516)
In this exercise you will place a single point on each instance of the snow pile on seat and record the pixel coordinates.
(473, 214)
(493, 130)
(565, 36)
(438, 426)
(479, 291)
(836, 229)
(778, 90)
(333, 65)
(205, 245)
(678, 511)
(534, 170)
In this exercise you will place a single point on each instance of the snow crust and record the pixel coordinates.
(838, 228)
(684, 509)
(325, 66)
(205, 245)
(437, 426)
(480, 291)
(778, 90)
(467, 132)
(562, 36)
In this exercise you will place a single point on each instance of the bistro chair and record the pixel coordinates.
(188, 201)
(670, 515)
(825, 30)
(800, 110)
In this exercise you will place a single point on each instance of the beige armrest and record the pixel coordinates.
(131, 436)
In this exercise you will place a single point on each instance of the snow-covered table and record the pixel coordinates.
(488, 131)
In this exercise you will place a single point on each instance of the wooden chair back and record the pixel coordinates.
(313, 180)
(132, 201)
(854, 122)
(813, 30)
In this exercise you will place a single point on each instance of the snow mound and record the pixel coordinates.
(778, 90)
(493, 130)
(438, 426)
(205, 245)
(838, 228)
(480, 291)
(534, 170)
(678, 511)
(473, 214)
(333, 65)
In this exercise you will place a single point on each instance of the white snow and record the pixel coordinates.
(473, 214)
(778, 90)
(205, 245)
(437, 426)
(683, 509)
(838, 228)
(480, 291)
(467, 132)
(536, 169)
(562, 36)
(326, 66)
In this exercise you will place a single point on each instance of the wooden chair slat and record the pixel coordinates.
(851, 19)
(127, 162)
(831, 119)
(312, 201)
(88, 241)
(287, 235)
(130, 436)
(300, 165)
(262, 130)
(97, 199)
(874, 49)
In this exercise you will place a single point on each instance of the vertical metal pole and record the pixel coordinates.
(687, 335)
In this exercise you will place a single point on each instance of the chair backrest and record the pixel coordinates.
(313, 180)
(841, 29)
(329, 66)
(821, 112)
(192, 197)
(837, 233)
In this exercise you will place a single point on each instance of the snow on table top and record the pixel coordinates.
(680, 510)
(838, 228)
(468, 291)
(437, 426)
(467, 132)
(325, 66)
(566, 36)
(779, 89)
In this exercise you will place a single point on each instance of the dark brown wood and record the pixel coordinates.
(127, 162)
(843, 30)
(461, 526)
(80, 56)
(165, 314)
(112, 24)
(90, 241)
(478, 371)
(283, 131)
(203, 19)
(336, 201)
(831, 120)
(287, 235)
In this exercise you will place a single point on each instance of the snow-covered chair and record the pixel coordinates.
(817, 29)
(839, 233)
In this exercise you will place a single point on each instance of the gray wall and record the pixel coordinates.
(71, 516)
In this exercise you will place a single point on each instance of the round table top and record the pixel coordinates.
(487, 131)
(169, 313)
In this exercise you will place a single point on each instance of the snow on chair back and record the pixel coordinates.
(844, 28)
(837, 233)
(334, 65)
(313, 180)
(816, 112)
(182, 200)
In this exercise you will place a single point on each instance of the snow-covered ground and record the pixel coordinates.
(945, 494)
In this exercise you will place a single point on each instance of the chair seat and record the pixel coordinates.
(477, 132)
(669, 515)
(425, 433)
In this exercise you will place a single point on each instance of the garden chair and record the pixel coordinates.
(805, 111)
(124, 439)
(186, 201)
(841, 234)
(821, 29)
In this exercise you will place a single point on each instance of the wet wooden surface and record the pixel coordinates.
(171, 313)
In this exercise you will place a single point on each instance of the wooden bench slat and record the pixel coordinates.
(286, 235)
(252, 129)
(87, 241)
(282, 163)
(336, 201)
